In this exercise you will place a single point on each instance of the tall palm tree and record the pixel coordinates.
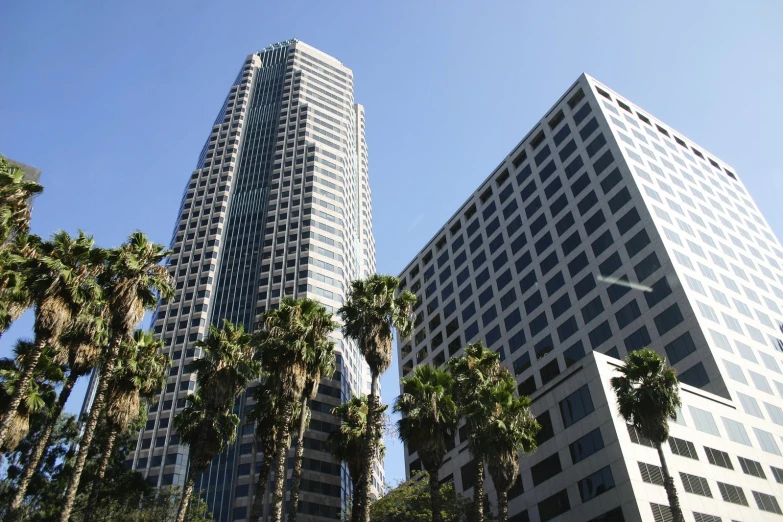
(15, 296)
(16, 194)
(512, 430)
(347, 443)
(39, 395)
(266, 416)
(81, 344)
(321, 362)
(60, 279)
(370, 314)
(207, 424)
(648, 396)
(475, 372)
(132, 281)
(139, 374)
(429, 418)
(283, 343)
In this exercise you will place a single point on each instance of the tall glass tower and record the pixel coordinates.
(603, 231)
(279, 205)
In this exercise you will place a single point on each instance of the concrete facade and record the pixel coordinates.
(604, 231)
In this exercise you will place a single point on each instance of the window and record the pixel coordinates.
(592, 309)
(627, 314)
(567, 329)
(696, 485)
(596, 483)
(639, 339)
(554, 505)
(751, 467)
(647, 266)
(750, 405)
(733, 494)
(575, 353)
(546, 469)
(767, 503)
(586, 445)
(661, 513)
(683, 448)
(766, 441)
(704, 421)
(735, 430)
(600, 334)
(777, 473)
(718, 458)
(651, 473)
(576, 406)
(549, 371)
(660, 289)
(668, 319)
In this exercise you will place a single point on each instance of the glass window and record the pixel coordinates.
(553, 506)
(750, 405)
(766, 441)
(576, 406)
(704, 421)
(586, 445)
(668, 319)
(596, 483)
(546, 469)
(736, 431)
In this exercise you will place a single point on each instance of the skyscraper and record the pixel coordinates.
(279, 205)
(604, 231)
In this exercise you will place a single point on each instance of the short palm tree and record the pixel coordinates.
(321, 362)
(512, 430)
(347, 443)
(60, 279)
(39, 395)
(283, 343)
(207, 424)
(16, 194)
(370, 315)
(429, 419)
(648, 396)
(475, 372)
(81, 348)
(132, 281)
(139, 374)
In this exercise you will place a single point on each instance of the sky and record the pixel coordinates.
(113, 100)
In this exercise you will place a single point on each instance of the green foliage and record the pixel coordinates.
(410, 501)
(647, 394)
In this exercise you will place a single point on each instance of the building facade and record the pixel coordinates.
(279, 205)
(602, 232)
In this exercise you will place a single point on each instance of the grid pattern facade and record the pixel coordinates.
(279, 205)
(602, 232)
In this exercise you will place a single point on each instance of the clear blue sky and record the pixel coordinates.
(113, 100)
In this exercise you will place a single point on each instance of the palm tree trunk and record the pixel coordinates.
(503, 505)
(263, 479)
(478, 490)
(435, 502)
(30, 362)
(89, 429)
(671, 489)
(296, 474)
(356, 506)
(97, 484)
(40, 446)
(187, 492)
(369, 451)
(283, 441)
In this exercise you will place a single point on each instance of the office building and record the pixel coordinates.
(278, 205)
(605, 230)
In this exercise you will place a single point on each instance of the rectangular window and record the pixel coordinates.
(573, 354)
(683, 448)
(704, 421)
(546, 469)
(668, 319)
(767, 502)
(554, 505)
(596, 484)
(586, 445)
(735, 430)
(718, 458)
(751, 467)
(696, 485)
(576, 406)
(733, 494)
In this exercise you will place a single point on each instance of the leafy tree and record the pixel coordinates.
(410, 501)
(321, 362)
(347, 443)
(60, 279)
(648, 396)
(475, 373)
(140, 373)
(429, 418)
(40, 392)
(15, 295)
(370, 314)
(16, 194)
(132, 281)
(207, 424)
(81, 348)
(512, 430)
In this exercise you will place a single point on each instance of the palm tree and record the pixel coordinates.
(347, 443)
(81, 349)
(140, 373)
(39, 395)
(61, 278)
(207, 424)
(16, 194)
(321, 362)
(512, 430)
(370, 314)
(648, 396)
(283, 343)
(15, 297)
(475, 372)
(429, 418)
(132, 281)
